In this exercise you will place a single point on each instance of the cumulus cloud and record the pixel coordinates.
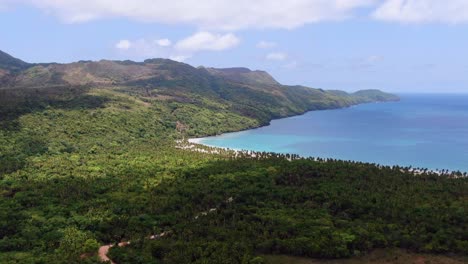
(423, 11)
(266, 44)
(277, 56)
(144, 48)
(182, 50)
(205, 14)
(227, 15)
(180, 58)
(163, 42)
(207, 41)
(123, 44)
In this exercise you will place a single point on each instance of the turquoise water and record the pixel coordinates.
(429, 131)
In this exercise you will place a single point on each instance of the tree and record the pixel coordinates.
(74, 243)
(181, 128)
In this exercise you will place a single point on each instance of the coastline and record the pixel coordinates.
(195, 145)
(416, 169)
(197, 140)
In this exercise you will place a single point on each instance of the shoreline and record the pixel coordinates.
(416, 169)
(198, 139)
(194, 145)
(193, 142)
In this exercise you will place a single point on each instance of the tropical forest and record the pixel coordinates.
(96, 166)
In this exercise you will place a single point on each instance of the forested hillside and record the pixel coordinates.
(10, 63)
(88, 157)
(254, 95)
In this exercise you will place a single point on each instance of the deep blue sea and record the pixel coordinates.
(429, 131)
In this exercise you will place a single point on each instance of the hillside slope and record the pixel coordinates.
(10, 63)
(251, 94)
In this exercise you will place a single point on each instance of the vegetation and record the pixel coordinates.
(82, 166)
(388, 256)
(7, 62)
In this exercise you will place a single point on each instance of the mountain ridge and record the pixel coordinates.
(114, 67)
(10, 63)
(252, 94)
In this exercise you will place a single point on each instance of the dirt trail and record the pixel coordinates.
(103, 253)
(104, 250)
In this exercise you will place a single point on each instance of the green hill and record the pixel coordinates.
(88, 157)
(10, 63)
(253, 95)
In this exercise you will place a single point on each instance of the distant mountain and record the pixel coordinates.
(376, 95)
(10, 63)
(254, 94)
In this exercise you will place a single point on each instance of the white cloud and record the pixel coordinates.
(184, 49)
(207, 41)
(225, 15)
(423, 11)
(123, 44)
(163, 42)
(277, 56)
(180, 58)
(228, 15)
(143, 48)
(266, 44)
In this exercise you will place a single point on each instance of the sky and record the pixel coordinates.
(393, 45)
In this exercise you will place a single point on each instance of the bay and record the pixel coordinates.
(422, 130)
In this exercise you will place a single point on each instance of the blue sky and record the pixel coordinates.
(394, 45)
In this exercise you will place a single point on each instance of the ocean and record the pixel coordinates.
(422, 130)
